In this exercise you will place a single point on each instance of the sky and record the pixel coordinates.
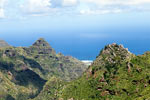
(80, 28)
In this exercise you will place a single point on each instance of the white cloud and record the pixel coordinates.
(36, 6)
(69, 2)
(114, 6)
(117, 2)
(89, 12)
(46, 7)
(2, 13)
(2, 2)
(53, 7)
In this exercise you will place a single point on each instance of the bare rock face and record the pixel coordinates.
(3, 44)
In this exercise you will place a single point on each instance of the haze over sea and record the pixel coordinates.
(80, 28)
(81, 37)
(82, 48)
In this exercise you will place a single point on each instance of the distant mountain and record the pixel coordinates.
(25, 70)
(116, 74)
(3, 43)
(42, 47)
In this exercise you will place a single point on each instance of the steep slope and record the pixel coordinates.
(65, 67)
(116, 74)
(52, 90)
(24, 70)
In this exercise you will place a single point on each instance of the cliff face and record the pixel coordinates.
(24, 70)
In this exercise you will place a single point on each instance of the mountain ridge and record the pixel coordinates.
(116, 74)
(24, 70)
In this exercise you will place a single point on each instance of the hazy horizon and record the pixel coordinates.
(84, 50)
(80, 28)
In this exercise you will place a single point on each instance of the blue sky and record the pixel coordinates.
(73, 26)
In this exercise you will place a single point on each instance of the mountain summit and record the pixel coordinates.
(24, 70)
(3, 43)
(112, 53)
(43, 47)
(41, 42)
(116, 74)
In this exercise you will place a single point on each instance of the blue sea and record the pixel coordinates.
(83, 49)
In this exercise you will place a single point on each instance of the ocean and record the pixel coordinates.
(85, 49)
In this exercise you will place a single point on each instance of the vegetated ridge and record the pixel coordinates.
(116, 74)
(25, 70)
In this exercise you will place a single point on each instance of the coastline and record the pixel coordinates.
(87, 62)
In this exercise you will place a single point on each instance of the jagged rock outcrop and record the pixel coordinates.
(112, 53)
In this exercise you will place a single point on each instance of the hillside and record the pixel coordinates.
(116, 74)
(25, 70)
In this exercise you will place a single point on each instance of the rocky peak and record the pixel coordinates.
(3, 43)
(112, 53)
(115, 50)
(41, 42)
(42, 47)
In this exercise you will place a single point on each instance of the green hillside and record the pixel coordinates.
(25, 70)
(116, 74)
(38, 73)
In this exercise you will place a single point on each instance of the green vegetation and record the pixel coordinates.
(38, 73)
(116, 74)
(52, 90)
(25, 70)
